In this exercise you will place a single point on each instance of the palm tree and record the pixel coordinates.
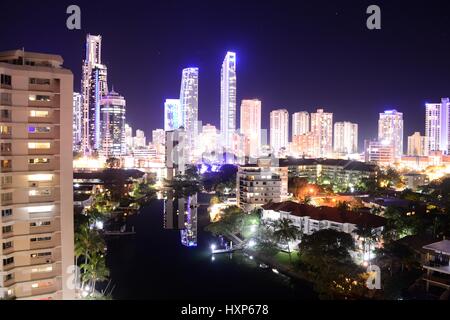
(95, 270)
(368, 236)
(285, 231)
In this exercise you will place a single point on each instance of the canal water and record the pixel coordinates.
(162, 262)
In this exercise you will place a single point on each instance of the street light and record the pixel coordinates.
(213, 247)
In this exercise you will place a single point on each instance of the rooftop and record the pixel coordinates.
(362, 219)
(441, 247)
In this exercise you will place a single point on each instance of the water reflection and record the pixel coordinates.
(180, 213)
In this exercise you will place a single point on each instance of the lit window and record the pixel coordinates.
(38, 160)
(38, 145)
(34, 129)
(40, 209)
(34, 97)
(39, 113)
(39, 192)
(40, 177)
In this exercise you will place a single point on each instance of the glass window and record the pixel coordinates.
(34, 129)
(39, 81)
(37, 97)
(38, 145)
(5, 79)
(38, 160)
(39, 113)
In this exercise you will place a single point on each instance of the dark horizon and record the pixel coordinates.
(297, 56)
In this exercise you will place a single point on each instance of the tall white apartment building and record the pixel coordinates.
(139, 141)
(279, 130)
(228, 99)
(390, 130)
(36, 203)
(322, 131)
(300, 123)
(251, 126)
(437, 125)
(345, 137)
(175, 154)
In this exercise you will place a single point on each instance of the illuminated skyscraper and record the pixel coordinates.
(279, 130)
(390, 130)
(94, 87)
(175, 153)
(300, 123)
(345, 137)
(322, 131)
(189, 105)
(437, 125)
(172, 114)
(113, 125)
(228, 99)
(251, 126)
(77, 121)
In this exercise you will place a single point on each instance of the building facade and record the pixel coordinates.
(300, 123)
(112, 115)
(390, 130)
(251, 126)
(172, 114)
(417, 145)
(94, 87)
(77, 121)
(228, 99)
(175, 154)
(345, 137)
(322, 130)
(189, 104)
(36, 226)
(437, 125)
(261, 183)
(279, 131)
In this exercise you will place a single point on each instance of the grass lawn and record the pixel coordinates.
(283, 257)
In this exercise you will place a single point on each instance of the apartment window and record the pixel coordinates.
(5, 164)
(39, 192)
(34, 129)
(6, 130)
(6, 98)
(39, 113)
(8, 277)
(39, 81)
(5, 79)
(38, 145)
(40, 223)
(6, 180)
(7, 245)
(40, 177)
(7, 196)
(41, 239)
(38, 160)
(37, 97)
(5, 114)
(7, 229)
(8, 261)
(40, 254)
(42, 269)
(7, 212)
(6, 147)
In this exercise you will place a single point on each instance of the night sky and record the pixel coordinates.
(294, 55)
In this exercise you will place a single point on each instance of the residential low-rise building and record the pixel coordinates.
(437, 266)
(309, 219)
(260, 183)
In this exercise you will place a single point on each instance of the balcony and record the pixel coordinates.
(9, 266)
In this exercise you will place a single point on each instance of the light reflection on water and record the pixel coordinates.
(170, 258)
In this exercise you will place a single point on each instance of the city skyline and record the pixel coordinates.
(294, 79)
